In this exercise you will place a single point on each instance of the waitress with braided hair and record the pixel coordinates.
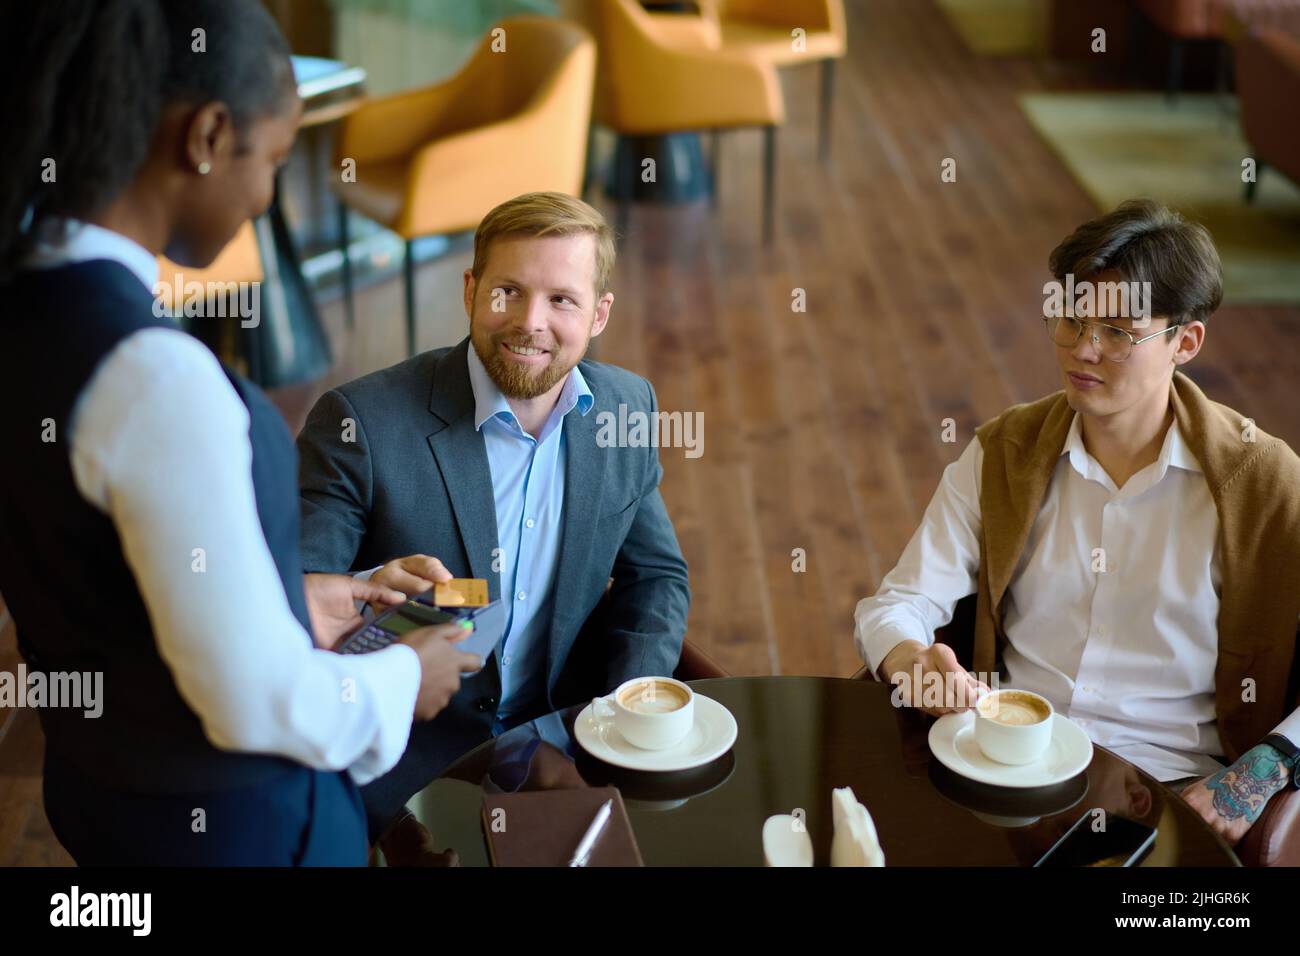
(148, 506)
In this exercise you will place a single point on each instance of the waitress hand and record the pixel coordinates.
(332, 604)
(441, 664)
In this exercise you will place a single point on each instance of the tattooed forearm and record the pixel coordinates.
(1242, 790)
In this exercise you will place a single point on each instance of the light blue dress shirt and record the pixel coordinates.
(528, 490)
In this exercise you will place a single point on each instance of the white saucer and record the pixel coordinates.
(711, 737)
(952, 741)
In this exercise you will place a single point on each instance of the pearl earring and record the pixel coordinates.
(204, 168)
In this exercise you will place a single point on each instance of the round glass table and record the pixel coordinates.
(800, 737)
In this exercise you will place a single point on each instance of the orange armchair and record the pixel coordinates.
(765, 28)
(240, 263)
(435, 160)
(694, 664)
(662, 76)
(665, 73)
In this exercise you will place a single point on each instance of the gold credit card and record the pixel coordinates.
(461, 592)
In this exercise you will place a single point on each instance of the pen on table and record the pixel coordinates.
(593, 834)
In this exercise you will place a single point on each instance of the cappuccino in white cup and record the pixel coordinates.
(653, 713)
(1013, 726)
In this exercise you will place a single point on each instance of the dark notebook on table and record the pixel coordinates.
(544, 828)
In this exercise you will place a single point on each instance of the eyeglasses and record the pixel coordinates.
(1114, 343)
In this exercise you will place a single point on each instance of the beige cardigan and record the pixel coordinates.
(1256, 489)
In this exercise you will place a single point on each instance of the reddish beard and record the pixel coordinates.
(514, 379)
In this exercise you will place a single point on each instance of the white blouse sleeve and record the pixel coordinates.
(159, 442)
(939, 567)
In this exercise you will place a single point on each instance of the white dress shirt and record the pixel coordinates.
(159, 442)
(1128, 653)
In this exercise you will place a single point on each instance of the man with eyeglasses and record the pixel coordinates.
(1134, 547)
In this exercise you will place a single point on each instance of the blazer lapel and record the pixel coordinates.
(462, 461)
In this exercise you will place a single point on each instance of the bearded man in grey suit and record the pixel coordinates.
(488, 460)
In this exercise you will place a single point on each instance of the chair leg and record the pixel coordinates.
(1254, 183)
(827, 95)
(1223, 80)
(1223, 68)
(589, 173)
(715, 141)
(624, 173)
(1175, 79)
(408, 277)
(1136, 40)
(769, 182)
(345, 242)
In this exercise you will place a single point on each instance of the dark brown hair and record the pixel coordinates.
(1145, 241)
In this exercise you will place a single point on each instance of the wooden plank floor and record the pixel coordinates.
(822, 428)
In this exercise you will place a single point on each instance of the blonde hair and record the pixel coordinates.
(546, 214)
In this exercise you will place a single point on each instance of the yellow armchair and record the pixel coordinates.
(662, 78)
(435, 160)
(221, 289)
(766, 29)
(239, 262)
(662, 73)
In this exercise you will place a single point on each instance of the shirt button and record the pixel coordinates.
(529, 523)
(521, 595)
(505, 662)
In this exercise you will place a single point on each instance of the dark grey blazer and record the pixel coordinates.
(415, 479)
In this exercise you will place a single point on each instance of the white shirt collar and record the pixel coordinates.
(85, 242)
(1174, 452)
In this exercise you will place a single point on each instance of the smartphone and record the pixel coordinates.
(1100, 841)
(489, 623)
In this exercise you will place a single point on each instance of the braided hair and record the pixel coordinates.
(83, 84)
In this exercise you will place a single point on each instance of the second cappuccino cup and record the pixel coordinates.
(1013, 726)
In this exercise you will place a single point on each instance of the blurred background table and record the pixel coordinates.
(799, 737)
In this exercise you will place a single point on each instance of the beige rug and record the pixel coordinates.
(1125, 145)
(1000, 27)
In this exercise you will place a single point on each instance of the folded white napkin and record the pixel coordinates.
(855, 842)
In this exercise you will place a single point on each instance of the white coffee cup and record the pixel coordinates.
(1013, 726)
(653, 713)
